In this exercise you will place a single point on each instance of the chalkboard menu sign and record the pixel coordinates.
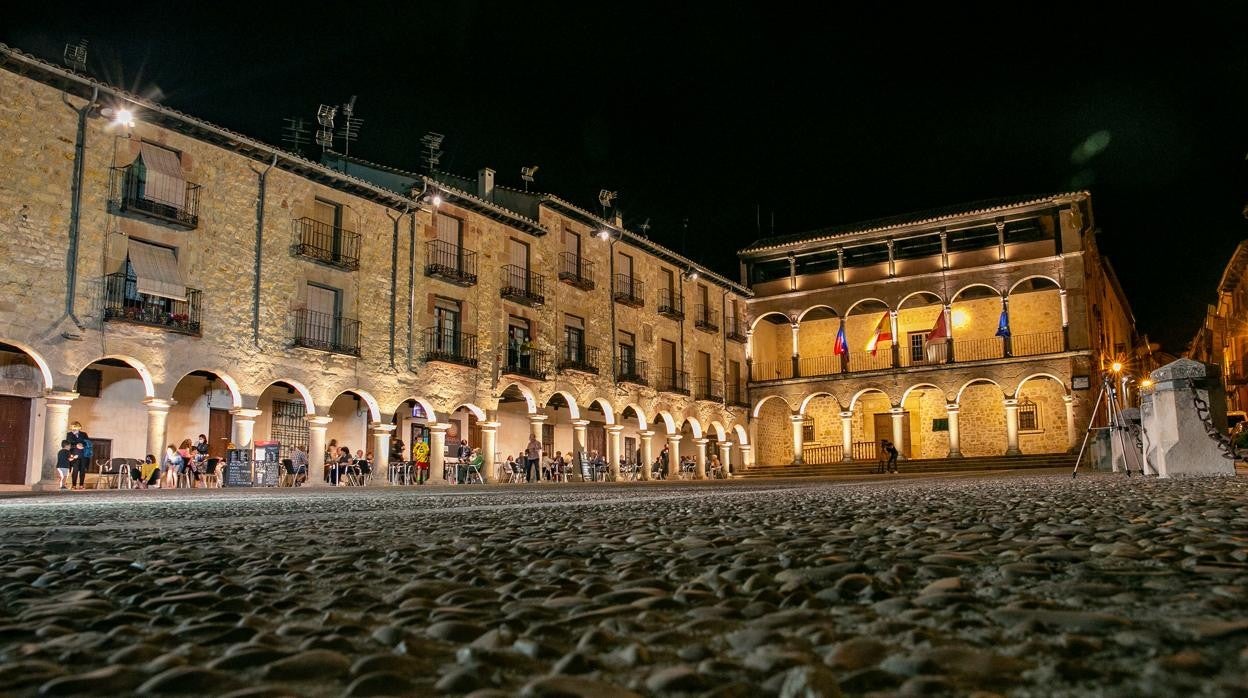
(267, 466)
(237, 468)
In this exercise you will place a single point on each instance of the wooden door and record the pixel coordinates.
(102, 451)
(596, 437)
(14, 439)
(220, 426)
(884, 430)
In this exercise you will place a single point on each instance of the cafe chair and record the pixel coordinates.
(108, 474)
(210, 475)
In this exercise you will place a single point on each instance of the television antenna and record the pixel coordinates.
(526, 173)
(325, 117)
(350, 130)
(432, 155)
(605, 198)
(295, 134)
(645, 228)
(75, 56)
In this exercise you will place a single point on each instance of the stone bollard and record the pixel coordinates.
(1176, 438)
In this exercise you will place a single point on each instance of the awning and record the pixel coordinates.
(156, 269)
(163, 182)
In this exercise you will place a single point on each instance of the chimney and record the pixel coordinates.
(617, 220)
(485, 183)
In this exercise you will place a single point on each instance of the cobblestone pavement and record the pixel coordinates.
(1014, 585)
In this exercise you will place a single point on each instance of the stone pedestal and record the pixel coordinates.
(244, 427)
(489, 443)
(1176, 435)
(725, 457)
(647, 454)
(699, 458)
(437, 452)
(55, 427)
(382, 433)
(317, 426)
(157, 425)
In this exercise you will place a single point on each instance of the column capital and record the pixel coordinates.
(614, 428)
(896, 411)
(538, 418)
(952, 407)
(702, 441)
(745, 448)
(382, 427)
(1010, 402)
(488, 426)
(155, 404)
(724, 444)
(315, 421)
(847, 415)
(579, 423)
(797, 418)
(439, 428)
(249, 413)
(60, 397)
(646, 434)
(674, 438)
(1068, 399)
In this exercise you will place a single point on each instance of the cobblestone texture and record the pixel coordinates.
(1028, 586)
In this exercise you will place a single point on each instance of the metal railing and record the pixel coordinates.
(454, 347)
(631, 371)
(533, 363)
(128, 194)
(123, 302)
(575, 270)
(629, 290)
(734, 329)
(328, 244)
(1234, 374)
(819, 365)
(707, 389)
(578, 357)
(931, 354)
(737, 396)
(866, 361)
(671, 304)
(326, 332)
(444, 260)
(771, 370)
(978, 349)
(1037, 343)
(673, 381)
(522, 286)
(704, 319)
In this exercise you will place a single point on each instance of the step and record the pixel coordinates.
(926, 465)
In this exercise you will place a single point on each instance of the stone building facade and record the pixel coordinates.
(1222, 338)
(995, 323)
(167, 277)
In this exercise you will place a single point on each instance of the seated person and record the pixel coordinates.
(145, 475)
(559, 467)
(548, 466)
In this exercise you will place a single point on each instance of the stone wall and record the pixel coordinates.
(1052, 436)
(981, 420)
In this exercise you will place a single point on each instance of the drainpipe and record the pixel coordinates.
(255, 293)
(615, 361)
(75, 205)
(723, 357)
(394, 275)
(411, 286)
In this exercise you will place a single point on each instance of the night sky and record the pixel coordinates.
(703, 117)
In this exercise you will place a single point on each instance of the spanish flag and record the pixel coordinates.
(883, 331)
(940, 332)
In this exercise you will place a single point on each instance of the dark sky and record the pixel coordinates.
(703, 113)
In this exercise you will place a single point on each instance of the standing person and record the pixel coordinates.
(532, 455)
(715, 467)
(75, 435)
(882, 456)
(299, 463)
(420, 453)
(82, 460)
(664, 455)
(172, 464)
(186, 449)
(891, 449)
(64, 462)
(201, 449)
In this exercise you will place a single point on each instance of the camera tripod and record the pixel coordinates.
(1117, 428)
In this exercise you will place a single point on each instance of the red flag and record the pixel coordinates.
(940, 331)
(883, 331)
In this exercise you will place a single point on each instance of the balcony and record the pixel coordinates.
(930, 354)
(835, 453)
(129, 194)
(707, 389)
(1038, 343)
(630, 370)
(575, 270)
(124, 303)
(978, 349)
(325, 332)
(1234, 374)
(450, 263)
(671, 304)
(327, 244)
(737, 397)
(673, 381)
(530, 363)
(734, 329)
(628, 291)
(772, 370)
(450, 346)
(578, 357)
(704, 319)
(522, 286)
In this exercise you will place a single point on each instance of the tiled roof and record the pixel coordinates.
(928, 216)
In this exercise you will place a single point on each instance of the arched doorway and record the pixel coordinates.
(110, 407)
(861, 322)
(1043, 426)
(974, 318)
(981, 410)
(23, 378)
(202, 401)
(816, 341)
(284, 408)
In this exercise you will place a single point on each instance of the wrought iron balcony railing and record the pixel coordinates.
(1037, 343)
(704, 319)
(631, 370)
(671, 304)
(737, 396)
(673, 381)
(328, 244)
(129, 194)
(577, 271)
(450, 262)
(124, 303)
(734, 329)
(450, 346)
(522, 286)
(578, 357)
(629, 291)
(707, 389)
(325, 332)
(531, 363)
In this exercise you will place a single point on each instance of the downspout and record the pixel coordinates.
(723, 357)
(681, 369)
(615, 361)
(394, 276)
(255, 293)
(411, 286)
(75, 205)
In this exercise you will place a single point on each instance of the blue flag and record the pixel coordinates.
(1003, 327)
(841, 346)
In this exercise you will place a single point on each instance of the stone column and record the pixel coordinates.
(157, 425)
(489, 444)
(796, 356)
(673, 456)
(948, 311)
(1011, 427)
(892, 326)
(381, 449)
(896, 414)
(317, 426)
(955, 443)
(747, 457)
(580, 429)
(796, 421)
(244, 429)
(1061, 295)
(647, 453)
(55, 427)
(725, 453)
(1072, 436)
(437, 451)
(699, 457)
(847, 436)
(613, 449)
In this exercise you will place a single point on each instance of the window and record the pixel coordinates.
(289, 426)
(450, 230)
(572, 244)
(628, 352)
(940, 424)
(667, 354)
(161, 180)
(972, 239)
(446, 318)
(1028, 416)
(518, 254)
(917, 343)
(669, 282)
(321, 320)
(624, 265)
(808, 429)
(704, 365)
(574, 338)
(917, 247)
(866, 255)
(519, 343)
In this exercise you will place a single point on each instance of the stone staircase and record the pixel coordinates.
(918, 466)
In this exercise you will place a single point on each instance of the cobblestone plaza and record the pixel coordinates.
(984, 585)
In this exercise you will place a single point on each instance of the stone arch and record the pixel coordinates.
(573, 409)
(1025, 279)
(720, 433)
(608, 412)
(760, 318)
(912, 388)
(308, 403)
(995, 291)
(1059, 381)
(668, 421)
(149, 386)
(759, 405)
(850, 311)
(743, 438)
(45, 371)
(806, 400)
(976, 381)
(854, 400)
(818, 306)
(694, 425)
(425, 405)
(374, 411)
(529, 398)
(476, 411)
(236, 395)
(902, 303)
(639, 413)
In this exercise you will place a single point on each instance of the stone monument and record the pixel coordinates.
(1176, 433)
